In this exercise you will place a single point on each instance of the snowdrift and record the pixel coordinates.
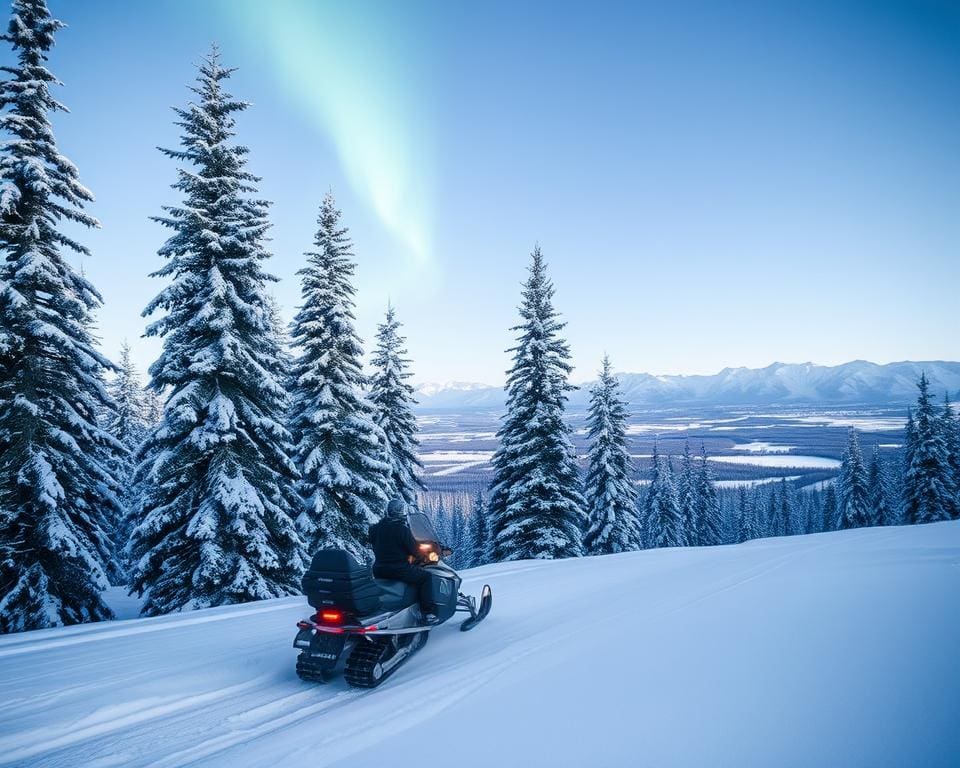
(832, 649)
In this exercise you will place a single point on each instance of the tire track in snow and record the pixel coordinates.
(225, 741)
(108, 720)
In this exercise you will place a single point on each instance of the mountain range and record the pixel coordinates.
(856, 382)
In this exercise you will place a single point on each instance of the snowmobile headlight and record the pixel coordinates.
(426, 547)
(433, 557)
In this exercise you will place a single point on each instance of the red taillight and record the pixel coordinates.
(330, 616)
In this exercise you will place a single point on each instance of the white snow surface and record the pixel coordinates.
(449, 457)
(787, 461)
(823, 650)
(758, 446)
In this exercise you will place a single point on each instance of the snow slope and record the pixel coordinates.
(824, 650)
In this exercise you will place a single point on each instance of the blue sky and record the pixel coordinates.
(713, 184)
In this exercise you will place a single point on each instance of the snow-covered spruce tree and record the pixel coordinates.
(774, 518)
(906, 459)
(853, 496)
(687, 496)
(747, 515)
(215, 477)
(441, 521)
(814, 506)
(730, 514)
(281, 339)
(459, 536)
(57, 488)
(465, 558)
(878, 492)
(709, 520)
(480, 531)
(950, 427)
(535, 504)
(339, 447)
(126, 422)
(806, 510)
(929, 493)
(789, 513)
(393, 401)
(609, 489)
(664, 521)
(828, 515)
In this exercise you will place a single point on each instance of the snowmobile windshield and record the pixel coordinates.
(421, 528)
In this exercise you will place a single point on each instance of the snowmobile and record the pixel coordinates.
(368, 627)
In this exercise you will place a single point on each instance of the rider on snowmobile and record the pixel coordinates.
(395, 550)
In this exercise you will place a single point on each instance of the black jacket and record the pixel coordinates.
(392, 542)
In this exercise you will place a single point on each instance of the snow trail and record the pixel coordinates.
(831, 649)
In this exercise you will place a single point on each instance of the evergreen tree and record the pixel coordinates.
(441, 522)
(125, 421)
(459, 536)
(57, 488)
(878, 492)
(804, 500)
(281, 340)
(788, 510)
(609, 489)
(853, 487)
(950, 427)
(906, 459)
(758, 501)
(730, 513)
(339, 447)
(480, 531)
(829, 514)
(775, 519)
(393, 400)
(536, 507)
(687, 496)
(664, 527)
(929, 492)
(709, 522)
(215, 477)
(747, 516)
(467, 544)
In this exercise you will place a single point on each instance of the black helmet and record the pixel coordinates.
(396, 508)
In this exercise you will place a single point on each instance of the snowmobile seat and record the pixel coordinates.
(395, 595)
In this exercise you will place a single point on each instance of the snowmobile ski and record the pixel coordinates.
(478, 614)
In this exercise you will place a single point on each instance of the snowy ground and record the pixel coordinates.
(836, 649)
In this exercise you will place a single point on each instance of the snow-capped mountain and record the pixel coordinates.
(430, 389)
(458, 394)
(855, 382)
